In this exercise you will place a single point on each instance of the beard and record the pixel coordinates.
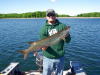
(51, 20)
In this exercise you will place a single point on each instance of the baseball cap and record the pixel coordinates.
(50, 11)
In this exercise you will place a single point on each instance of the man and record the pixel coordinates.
(53, 55)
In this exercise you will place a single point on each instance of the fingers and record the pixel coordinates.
(44, 48)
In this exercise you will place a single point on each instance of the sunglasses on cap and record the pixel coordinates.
(50, 15)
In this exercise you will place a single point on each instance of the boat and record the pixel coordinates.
(13, 68)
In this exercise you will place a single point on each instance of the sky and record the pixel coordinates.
(67, 7)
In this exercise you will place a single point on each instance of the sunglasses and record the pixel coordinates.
(50, 15)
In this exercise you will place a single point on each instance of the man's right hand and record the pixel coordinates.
(44, 48)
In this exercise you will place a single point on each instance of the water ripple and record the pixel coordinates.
(84, 46)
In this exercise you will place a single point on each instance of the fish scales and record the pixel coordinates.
(51, 40)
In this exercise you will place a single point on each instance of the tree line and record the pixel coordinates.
(95, 14)
(42, 14)
(38, 14)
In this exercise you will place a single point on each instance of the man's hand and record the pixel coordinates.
(66, 34)
(43, 48)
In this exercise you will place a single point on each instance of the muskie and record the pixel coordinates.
(48, 41)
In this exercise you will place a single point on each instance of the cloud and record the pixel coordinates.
(53, 0)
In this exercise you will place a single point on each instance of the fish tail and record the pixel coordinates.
(24, 52)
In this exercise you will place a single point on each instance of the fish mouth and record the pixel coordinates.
(67, 28)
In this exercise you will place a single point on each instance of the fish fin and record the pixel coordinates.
(30, 42)
(23, 51)
(25, 55)
(63, 38)
(35, 52)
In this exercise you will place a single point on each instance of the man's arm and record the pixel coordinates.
(43, 35)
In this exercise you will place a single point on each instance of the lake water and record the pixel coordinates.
(84, 46)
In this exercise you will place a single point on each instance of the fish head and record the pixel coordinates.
(65, 30)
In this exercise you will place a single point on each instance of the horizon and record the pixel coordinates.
(44, 11)
(72, 7)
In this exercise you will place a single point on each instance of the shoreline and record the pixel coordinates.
(56, 17)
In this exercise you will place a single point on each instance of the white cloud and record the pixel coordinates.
(53, 0)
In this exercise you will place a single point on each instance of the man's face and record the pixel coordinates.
(51, 17)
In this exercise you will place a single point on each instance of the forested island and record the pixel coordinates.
(42, 14)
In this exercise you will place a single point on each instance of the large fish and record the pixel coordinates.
(48, 41)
